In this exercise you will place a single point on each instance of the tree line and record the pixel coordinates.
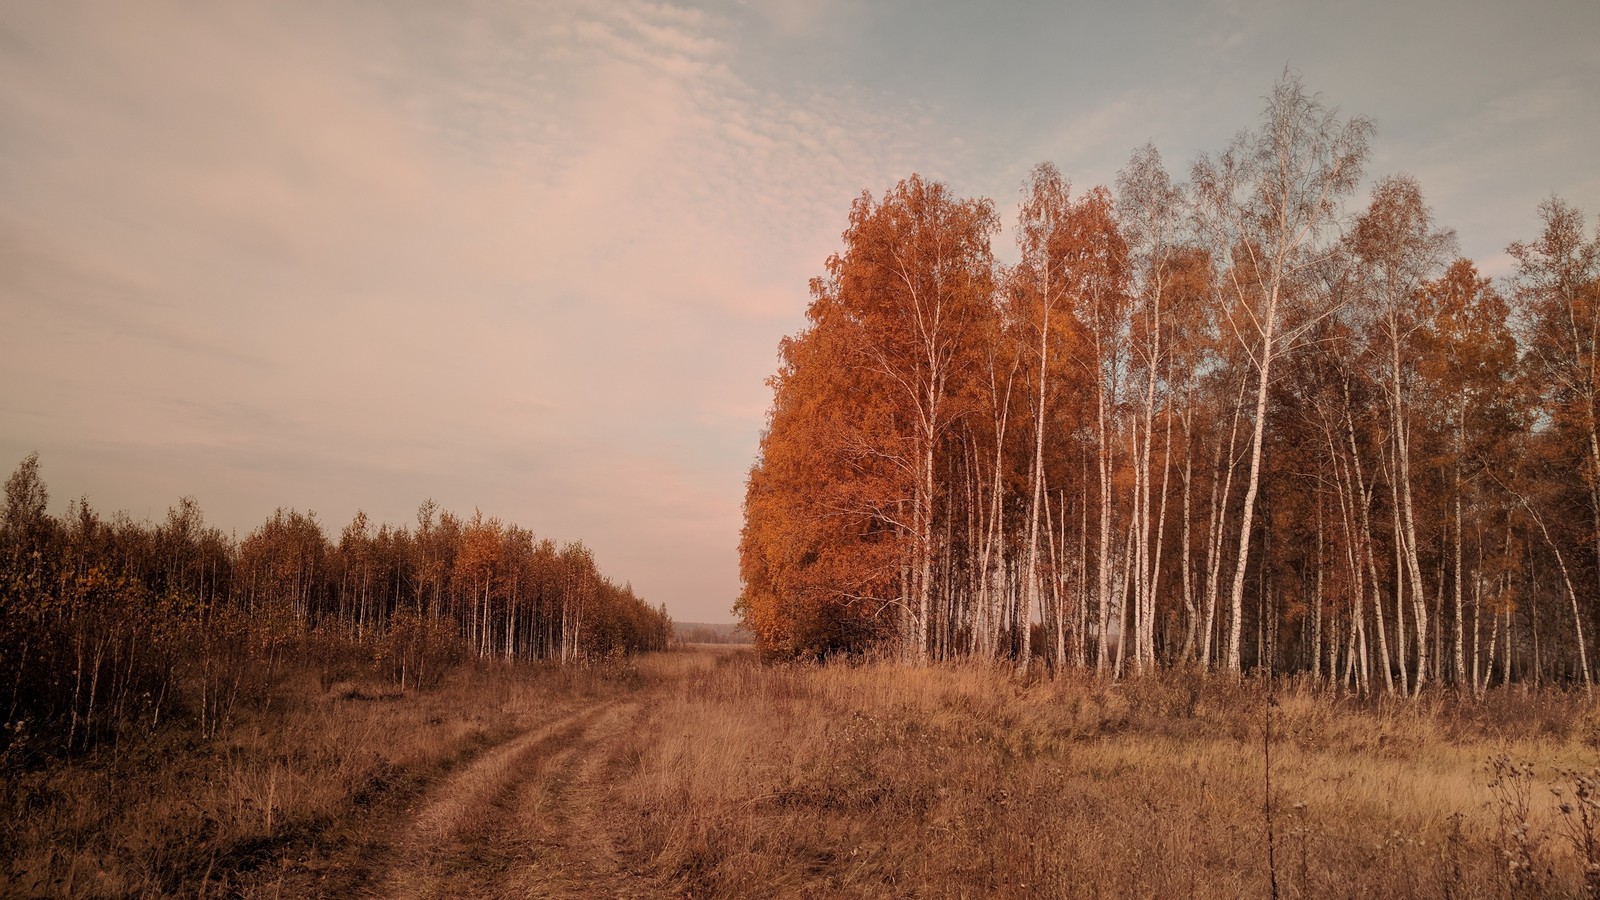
(1233, 421)
(110, 626)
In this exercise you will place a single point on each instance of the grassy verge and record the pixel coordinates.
(735, 779)
(882, 781)
(295, 792)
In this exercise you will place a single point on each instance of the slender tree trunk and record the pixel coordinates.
(1460, 642)
(1572, 597)
(1405, 519)
(1477, 635)
(1124, 608)
(1080, 639)
(1347, 496)
(1154, 581)
(1219, 515)
(1506, 662)
(1399, 591)
(923, 585)
(1253, 486)
(1316, 604)
(1138, 518)
(1055, 599)
(1365, 502)
(1104, 558)
(1189, 611)
(1031, 576)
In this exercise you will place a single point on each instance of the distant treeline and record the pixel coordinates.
(711, 633)
(112, 625)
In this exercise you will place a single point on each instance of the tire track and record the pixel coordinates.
(461, 839)
(566, 822)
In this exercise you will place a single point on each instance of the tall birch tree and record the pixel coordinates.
(1268, 201)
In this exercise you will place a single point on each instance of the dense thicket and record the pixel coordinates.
(1238, 421)
(110, 626)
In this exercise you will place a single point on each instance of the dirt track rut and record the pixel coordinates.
(527, 819)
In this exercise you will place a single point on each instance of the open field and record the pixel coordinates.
(704, 773)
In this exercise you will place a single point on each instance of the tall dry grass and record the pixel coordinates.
(720, 776)
(291, 800)
(876, 781)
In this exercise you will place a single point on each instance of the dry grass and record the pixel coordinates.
(292, 800)
(708, 774)
(880, 781)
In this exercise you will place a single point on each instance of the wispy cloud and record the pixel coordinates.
(312, 238)
(536, 258)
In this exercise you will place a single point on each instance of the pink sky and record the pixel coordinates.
(536, 258)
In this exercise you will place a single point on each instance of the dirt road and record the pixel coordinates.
(526, 819)
(695, 775)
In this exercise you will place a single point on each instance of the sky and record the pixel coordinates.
(535, 258)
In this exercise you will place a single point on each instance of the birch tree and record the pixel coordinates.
(919, 272)
(1150, 210)
(1268, 202)
(1557, 291)
(1043, 282)
(1398, 250)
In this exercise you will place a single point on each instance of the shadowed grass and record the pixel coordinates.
(298, 792)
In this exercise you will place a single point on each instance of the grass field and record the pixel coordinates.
(705, 773)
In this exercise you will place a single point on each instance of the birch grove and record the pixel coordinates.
(1260, 419)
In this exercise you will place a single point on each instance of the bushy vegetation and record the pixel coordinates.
(115, 629)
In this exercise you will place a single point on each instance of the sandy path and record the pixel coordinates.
(528, 819)
(565, 821)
